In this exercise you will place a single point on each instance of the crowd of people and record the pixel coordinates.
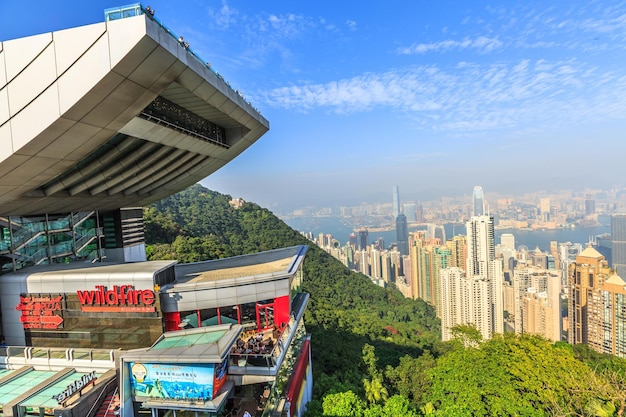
(254, 345)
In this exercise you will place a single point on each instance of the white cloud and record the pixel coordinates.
(351, 25)
(470, 96)
(224, 17)
(481, 43)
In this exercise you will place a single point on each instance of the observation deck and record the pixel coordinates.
(113, 114)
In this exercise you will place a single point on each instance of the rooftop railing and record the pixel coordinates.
(136, 9)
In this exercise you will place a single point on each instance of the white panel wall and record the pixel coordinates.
(4, 104)
(83, 75)
(124, 34)
(70, 44)
(33, 119)
(21, 52)
(33, 79)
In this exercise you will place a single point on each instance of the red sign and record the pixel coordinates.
(39, 312)
(122, 298)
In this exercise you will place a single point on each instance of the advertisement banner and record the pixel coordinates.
(172, 381)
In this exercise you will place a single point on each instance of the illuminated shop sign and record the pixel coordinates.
(122, 298)
(40, 312)
(75, 387)
(176, 382)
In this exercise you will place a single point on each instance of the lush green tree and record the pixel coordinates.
(396, 406)
(411, 378)
(343, 404)
(510, 375)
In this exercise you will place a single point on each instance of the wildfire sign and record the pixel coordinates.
(122, 298)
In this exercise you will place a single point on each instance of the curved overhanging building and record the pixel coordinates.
(103, 117)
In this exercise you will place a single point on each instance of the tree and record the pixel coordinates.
(511, 375)
(343, 404)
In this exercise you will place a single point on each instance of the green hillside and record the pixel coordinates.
(376, 353)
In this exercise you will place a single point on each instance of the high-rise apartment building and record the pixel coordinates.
(612, 298)
(475, 296)
(482, 264)
(464, 300)
(540, 316)
(458, 251)
(597, 305)
(429, 257)
(585, 277)
(618, 244)
(537, 302)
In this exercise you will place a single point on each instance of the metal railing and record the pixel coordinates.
(137, 9)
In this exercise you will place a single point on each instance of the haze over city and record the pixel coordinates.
(432, 96)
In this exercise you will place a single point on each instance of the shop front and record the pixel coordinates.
(85, 306)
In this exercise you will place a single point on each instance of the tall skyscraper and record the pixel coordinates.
(464, 300)
(429, 257)
(611, 301)
(618, 248)
(402, 234)
(396, 201)
(478, 198)
(597, 300)
(585, 276)
(363, 238)
(475, 296)
(482, 264)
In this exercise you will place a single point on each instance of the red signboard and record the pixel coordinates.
(122, 298)
(40, 312)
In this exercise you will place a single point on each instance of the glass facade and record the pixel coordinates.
(47, 239)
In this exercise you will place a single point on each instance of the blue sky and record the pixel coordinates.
(435, 97)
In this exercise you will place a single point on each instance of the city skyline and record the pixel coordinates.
(435, 99)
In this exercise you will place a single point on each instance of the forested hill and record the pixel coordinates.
(376, 353)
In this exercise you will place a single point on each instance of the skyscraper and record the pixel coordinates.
(537, 302)
(363, 238)
(396, 201)
(585, 276)
(476, 295)
(618, 248)
(464, 300)
(482, 264)
(402, 234)
(596, 304)
(478, 198)
(611, 301)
